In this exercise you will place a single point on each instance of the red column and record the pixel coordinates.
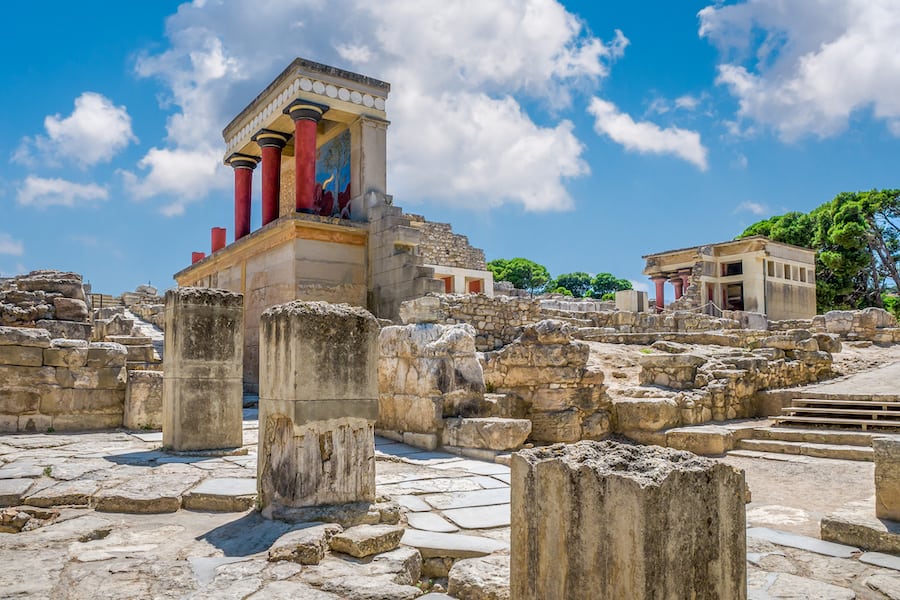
(218, 238)
(676, 283)
(197, 257)
(685, 280)
(306, 116)
(271, 143)
(660, 293)
(243, 166)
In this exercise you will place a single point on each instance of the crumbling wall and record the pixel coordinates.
(53, 300)
(59, 384)
(549, 372)
(869, 324)
(440, 246)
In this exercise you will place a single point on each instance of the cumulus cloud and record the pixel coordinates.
(41, 192)
(460, 74)
(805, 68)
(752, 207)
(646, 137)
(11, 246)
(95, 132)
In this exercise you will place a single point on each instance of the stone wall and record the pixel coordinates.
(440, 246)
(548, 371)
(498, 321)
(53, 300)
(871, 324)
(59, 384)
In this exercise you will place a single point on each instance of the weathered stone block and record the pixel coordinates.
(106, 354)
(66, 353)
(366, 540)
(23, 356)
(71, 309)
(143, 400)
(24, 336)
(704, 440)
(560, 426)
(647, 414)
(488, 433)
(202, 370)
(662, 523)
(316, 442)
(887, 478)
(66, 329)
(306, 546)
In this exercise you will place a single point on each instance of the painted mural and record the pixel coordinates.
(332, 197)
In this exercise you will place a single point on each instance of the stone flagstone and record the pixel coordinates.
(413, 503)
(154, 493)
(879, 559)
(803, 542)
(366, 540)
(429, 521)
(12, 490)
(452, 545)
(468, 499)
(480, 517)
(65, 493)
(228, 494)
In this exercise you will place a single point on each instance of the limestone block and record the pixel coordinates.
(23, 356)
(663, 524)
(705, 440)
(596, 425)
(73, 402)
(838, 322)
(887, 478)
(66, 353)
(306, 546)
(66, 329)
(410, 413)
(143, 400)
(71, 309)
(487, 433)
(106, 354)
(202, 370)
(670, 370)
(484, 578)
(647, 414)
(103, 378)
(560, 426)
(316, 442)
(422, 310)
(16, 400)
(426, 441)
(24, 336)
(25, 376)
(365, 540)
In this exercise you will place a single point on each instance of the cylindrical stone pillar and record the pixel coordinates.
(202, 369)
(197, 257)
(306, 116)
(243, 166)
(318, 403)
(217, 238)
(610, 520)
(660, 283)
(271, 144)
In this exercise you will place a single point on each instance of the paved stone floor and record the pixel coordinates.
(132, 537)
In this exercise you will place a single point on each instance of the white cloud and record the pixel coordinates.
(95, 132)
(179, 175)
(8, 245)
(816, 65)
(447, 62)
(641, 286)
(687, 102)
(752, 207)
(41, 192)
(646, 137)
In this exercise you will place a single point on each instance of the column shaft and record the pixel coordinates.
(306, 117)
(271, 143)
(243, 180)
(660, 293)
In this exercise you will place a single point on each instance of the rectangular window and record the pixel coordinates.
(803, 275)
(770, 268)
(787, 271)
(735, 268)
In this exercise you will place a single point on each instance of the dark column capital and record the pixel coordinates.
(270, 137)
(242, 161)
(305, 110)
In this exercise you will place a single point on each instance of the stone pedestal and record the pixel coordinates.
(608, 520)
(318, 402)
(887, 478)
(202, 366)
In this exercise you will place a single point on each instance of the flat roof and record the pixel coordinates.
(737, 241)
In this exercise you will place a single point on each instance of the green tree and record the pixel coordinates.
(607, 283)
(857, 242)
(578, 284)
(524, 274)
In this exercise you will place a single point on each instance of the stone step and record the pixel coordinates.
(872, 413)
(834, 451)
(847, 402)
(862, 423)
(492, 433)
(813, 436)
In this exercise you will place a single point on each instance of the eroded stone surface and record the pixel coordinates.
(306, 546)
(366, 540)
(484, 578)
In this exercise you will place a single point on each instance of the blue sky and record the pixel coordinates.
(578, 134)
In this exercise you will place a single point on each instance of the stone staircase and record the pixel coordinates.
(827, 425)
